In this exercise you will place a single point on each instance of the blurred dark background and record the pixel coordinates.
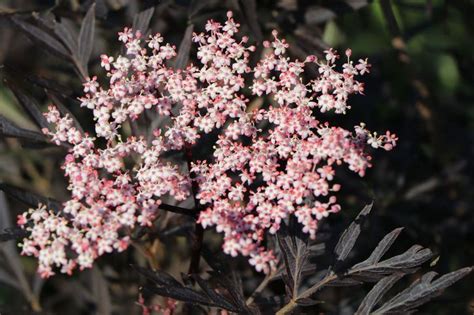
(420, 87)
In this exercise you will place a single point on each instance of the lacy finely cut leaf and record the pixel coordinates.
(385, 273)
(421, 291)
(349, 237)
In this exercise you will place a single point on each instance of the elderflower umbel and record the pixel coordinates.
(268, 163)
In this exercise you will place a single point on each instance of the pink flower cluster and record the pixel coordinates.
(268, 163)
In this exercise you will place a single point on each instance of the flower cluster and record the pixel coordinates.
(268, 162)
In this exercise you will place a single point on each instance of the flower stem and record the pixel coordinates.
(197, 238)
(179, 210)
(196, 248)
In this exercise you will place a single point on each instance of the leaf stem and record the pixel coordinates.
(331, 276)
(196, 248)
(287, 308)
(306, 294)
(260, 288)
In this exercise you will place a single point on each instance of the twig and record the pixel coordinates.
(260, 287)
(196, 248)
(179, 210)
(292, 304)
(197, 238)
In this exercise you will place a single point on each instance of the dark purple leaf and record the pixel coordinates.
(165, 285)
(38, 283)
(196, 6)
(413, 257)
(100, 291)
(8, 251)
(421, 291)
(9, 129)
(377, 292)
(68, 34)
(141, 21)
(29, 105)
(249, 9)
(86, 37)
(349, 237)
(232, 283)
(51, 85)
(344, 282)
(184, 48)
(9, 279)
(42, 37)
(29, 198)
(294, 248)
(381, 248)
(12, 234)
(216, 298)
